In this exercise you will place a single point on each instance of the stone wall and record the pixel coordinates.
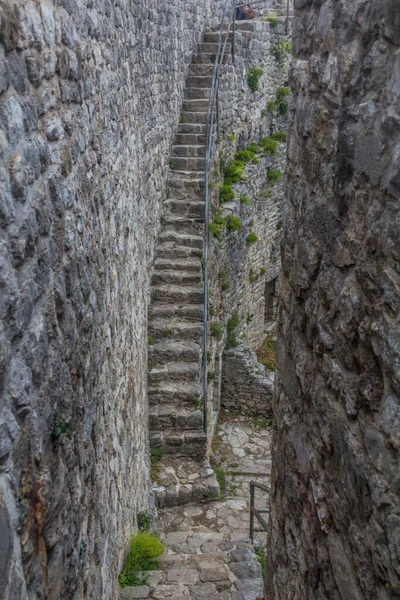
(245, 385)
(90, 95)
(238, 271)
(335, 510)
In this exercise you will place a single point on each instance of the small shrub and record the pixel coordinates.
(244, 155)
(234, 172)
(232, 137)
(144, 520)
(282, 105)
(216, 330)
(231, 341)
(233, 322)
(254, 77)
(211, 310)
(274, 175)
(209, 357)
(245, 199)
(218, 220)
(254, 148)
(252, 238)
(253, 277)
(233, 223)
(263, 270)
(279, 136)
(211, 376)
(143, 554)
(266, 354)
(165, 332)
(155, 457)
(270, 146)
(221, 478)
(273, 19)
(226, 193)
(226, 285)
(255, 160)
(271, 106)
(215, 230)
(60, 428)
(172, 163)
(151, 341)
(261, 559)
(265, 194)
(281, 49)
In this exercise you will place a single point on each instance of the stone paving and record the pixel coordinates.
(208, 551)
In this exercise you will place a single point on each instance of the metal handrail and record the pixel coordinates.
(257, 512)
(208, 140)
(229, 9)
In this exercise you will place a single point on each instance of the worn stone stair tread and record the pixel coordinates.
(177, 330)
(179, 264)
(177, 277)
(182, 392)
(168, 416)
(182, 239)
(176, 349)
(173, 314)
(175, 370)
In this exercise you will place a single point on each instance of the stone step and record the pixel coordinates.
(178, 264)
(194, 117)
(181, 481)
(189, 163)
(191, 138)
(172, 329)
(195, 105)
(168, 416)
(196, 150)
(201, 70)
(199, 81)
(184, 208)
(181, 393)
(205, 58)
(171, 250)
(211, 47)
(180, 442)
(168, 350)
(185, 188)
(174, 371)
(177, 277)
(194, 128)
(213, 37)
(173, 294)
(196, 93)
(181, 239)
(183, 224)
(179, 313)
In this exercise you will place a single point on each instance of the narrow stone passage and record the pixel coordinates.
(208, 550)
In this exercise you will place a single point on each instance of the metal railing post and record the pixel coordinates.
(233, 35)
(251, 512)
(287, 17)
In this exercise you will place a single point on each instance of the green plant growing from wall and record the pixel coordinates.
(252, 238)
(245, 199)
(279, 136)
(274, 175)
(215, 230)
(60, 428)
(151, 341)
(253, 78)
(244, 155)
(144, 520)
(233, 223)
(155, 457)
(233, 322)
(225, 283)
(231, 137)
(270, 146)
(143, 554)
(216, 330)
(273, 19)
(226, 193)
(265, 194)
(271, 106)
(282, 104)
(234, 172)
(211, 376)
(172, 164)
(281, 50)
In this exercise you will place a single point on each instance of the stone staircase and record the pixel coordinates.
(176, 310)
